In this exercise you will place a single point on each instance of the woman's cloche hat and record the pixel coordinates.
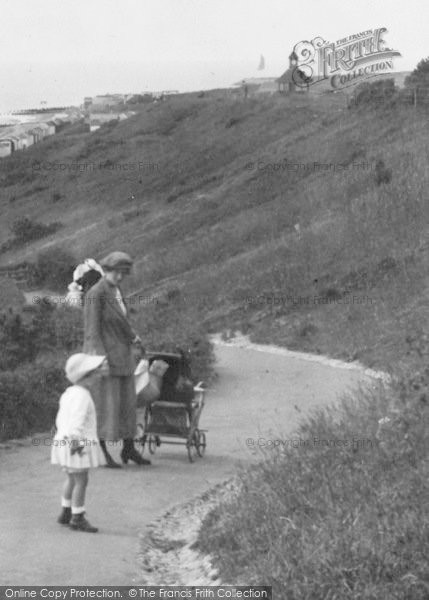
(117, 261)
(79, 365)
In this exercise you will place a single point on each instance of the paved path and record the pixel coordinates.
(255, 392)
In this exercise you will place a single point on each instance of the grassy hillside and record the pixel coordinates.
(302, 223)
(338, 510)
(267, 215)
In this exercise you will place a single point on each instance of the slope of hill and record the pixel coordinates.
(268, 215)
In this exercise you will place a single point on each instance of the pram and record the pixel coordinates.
(176, 413)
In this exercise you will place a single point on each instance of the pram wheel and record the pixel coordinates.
(140, 438)
(192, 446)
(201, 445)
(153, 442)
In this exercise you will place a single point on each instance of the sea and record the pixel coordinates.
(36, 85)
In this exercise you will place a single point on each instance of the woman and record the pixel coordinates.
(107, 331)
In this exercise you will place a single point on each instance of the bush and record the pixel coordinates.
(29, 400)
(67, 328)
(17, 345)
(56, 196)
(26, 230)
(16, 171)
(10, 294)
(378, 93)
(54, 268)
(33, 348)
(40, 329)
(418, 83)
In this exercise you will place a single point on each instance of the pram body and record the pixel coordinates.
(175, 415)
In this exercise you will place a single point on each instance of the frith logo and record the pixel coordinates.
(345, 62)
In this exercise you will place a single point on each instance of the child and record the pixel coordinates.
(75, 445)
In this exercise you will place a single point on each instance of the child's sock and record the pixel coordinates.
(65, 503)
(77, 510)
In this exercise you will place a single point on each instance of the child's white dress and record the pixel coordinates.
(76, 420)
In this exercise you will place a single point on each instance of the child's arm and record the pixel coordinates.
(76, 428)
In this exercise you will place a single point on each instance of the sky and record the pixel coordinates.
(58, 51)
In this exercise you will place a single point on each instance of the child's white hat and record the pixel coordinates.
(79, 365)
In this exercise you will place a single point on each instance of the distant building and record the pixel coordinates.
(52, 127)
(14, 138)
(10, 137)
(20, 136)
(16, 142)
(6, 147)
(46, 129)
(144, 98)
(163, 94)
(287, 82)
(37, 134)
(26, 140)
(107, 102)
(60, 123)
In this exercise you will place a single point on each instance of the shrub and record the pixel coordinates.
(17, 342)
(56, 196)
(10, 295)
(67, 328)
(378, 93)
(26, 230)
(134, 213)
(109, 125)
(29, 399)
(40, 329)
(418, 83)
(54, 268)
(16, 170)
(33, 348)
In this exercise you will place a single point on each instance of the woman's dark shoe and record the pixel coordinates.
(65, 516)
(132, 454)
(111, 464)
(79, 523)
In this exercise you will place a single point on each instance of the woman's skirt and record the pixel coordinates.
(91, 455)
(115, 404)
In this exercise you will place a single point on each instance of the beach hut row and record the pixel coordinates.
(20, 137)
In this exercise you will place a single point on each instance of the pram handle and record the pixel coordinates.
(200, 387)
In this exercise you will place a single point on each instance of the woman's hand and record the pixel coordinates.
(104, 368)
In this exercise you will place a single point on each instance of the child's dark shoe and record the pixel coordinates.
(79, 523)
(65, 516)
